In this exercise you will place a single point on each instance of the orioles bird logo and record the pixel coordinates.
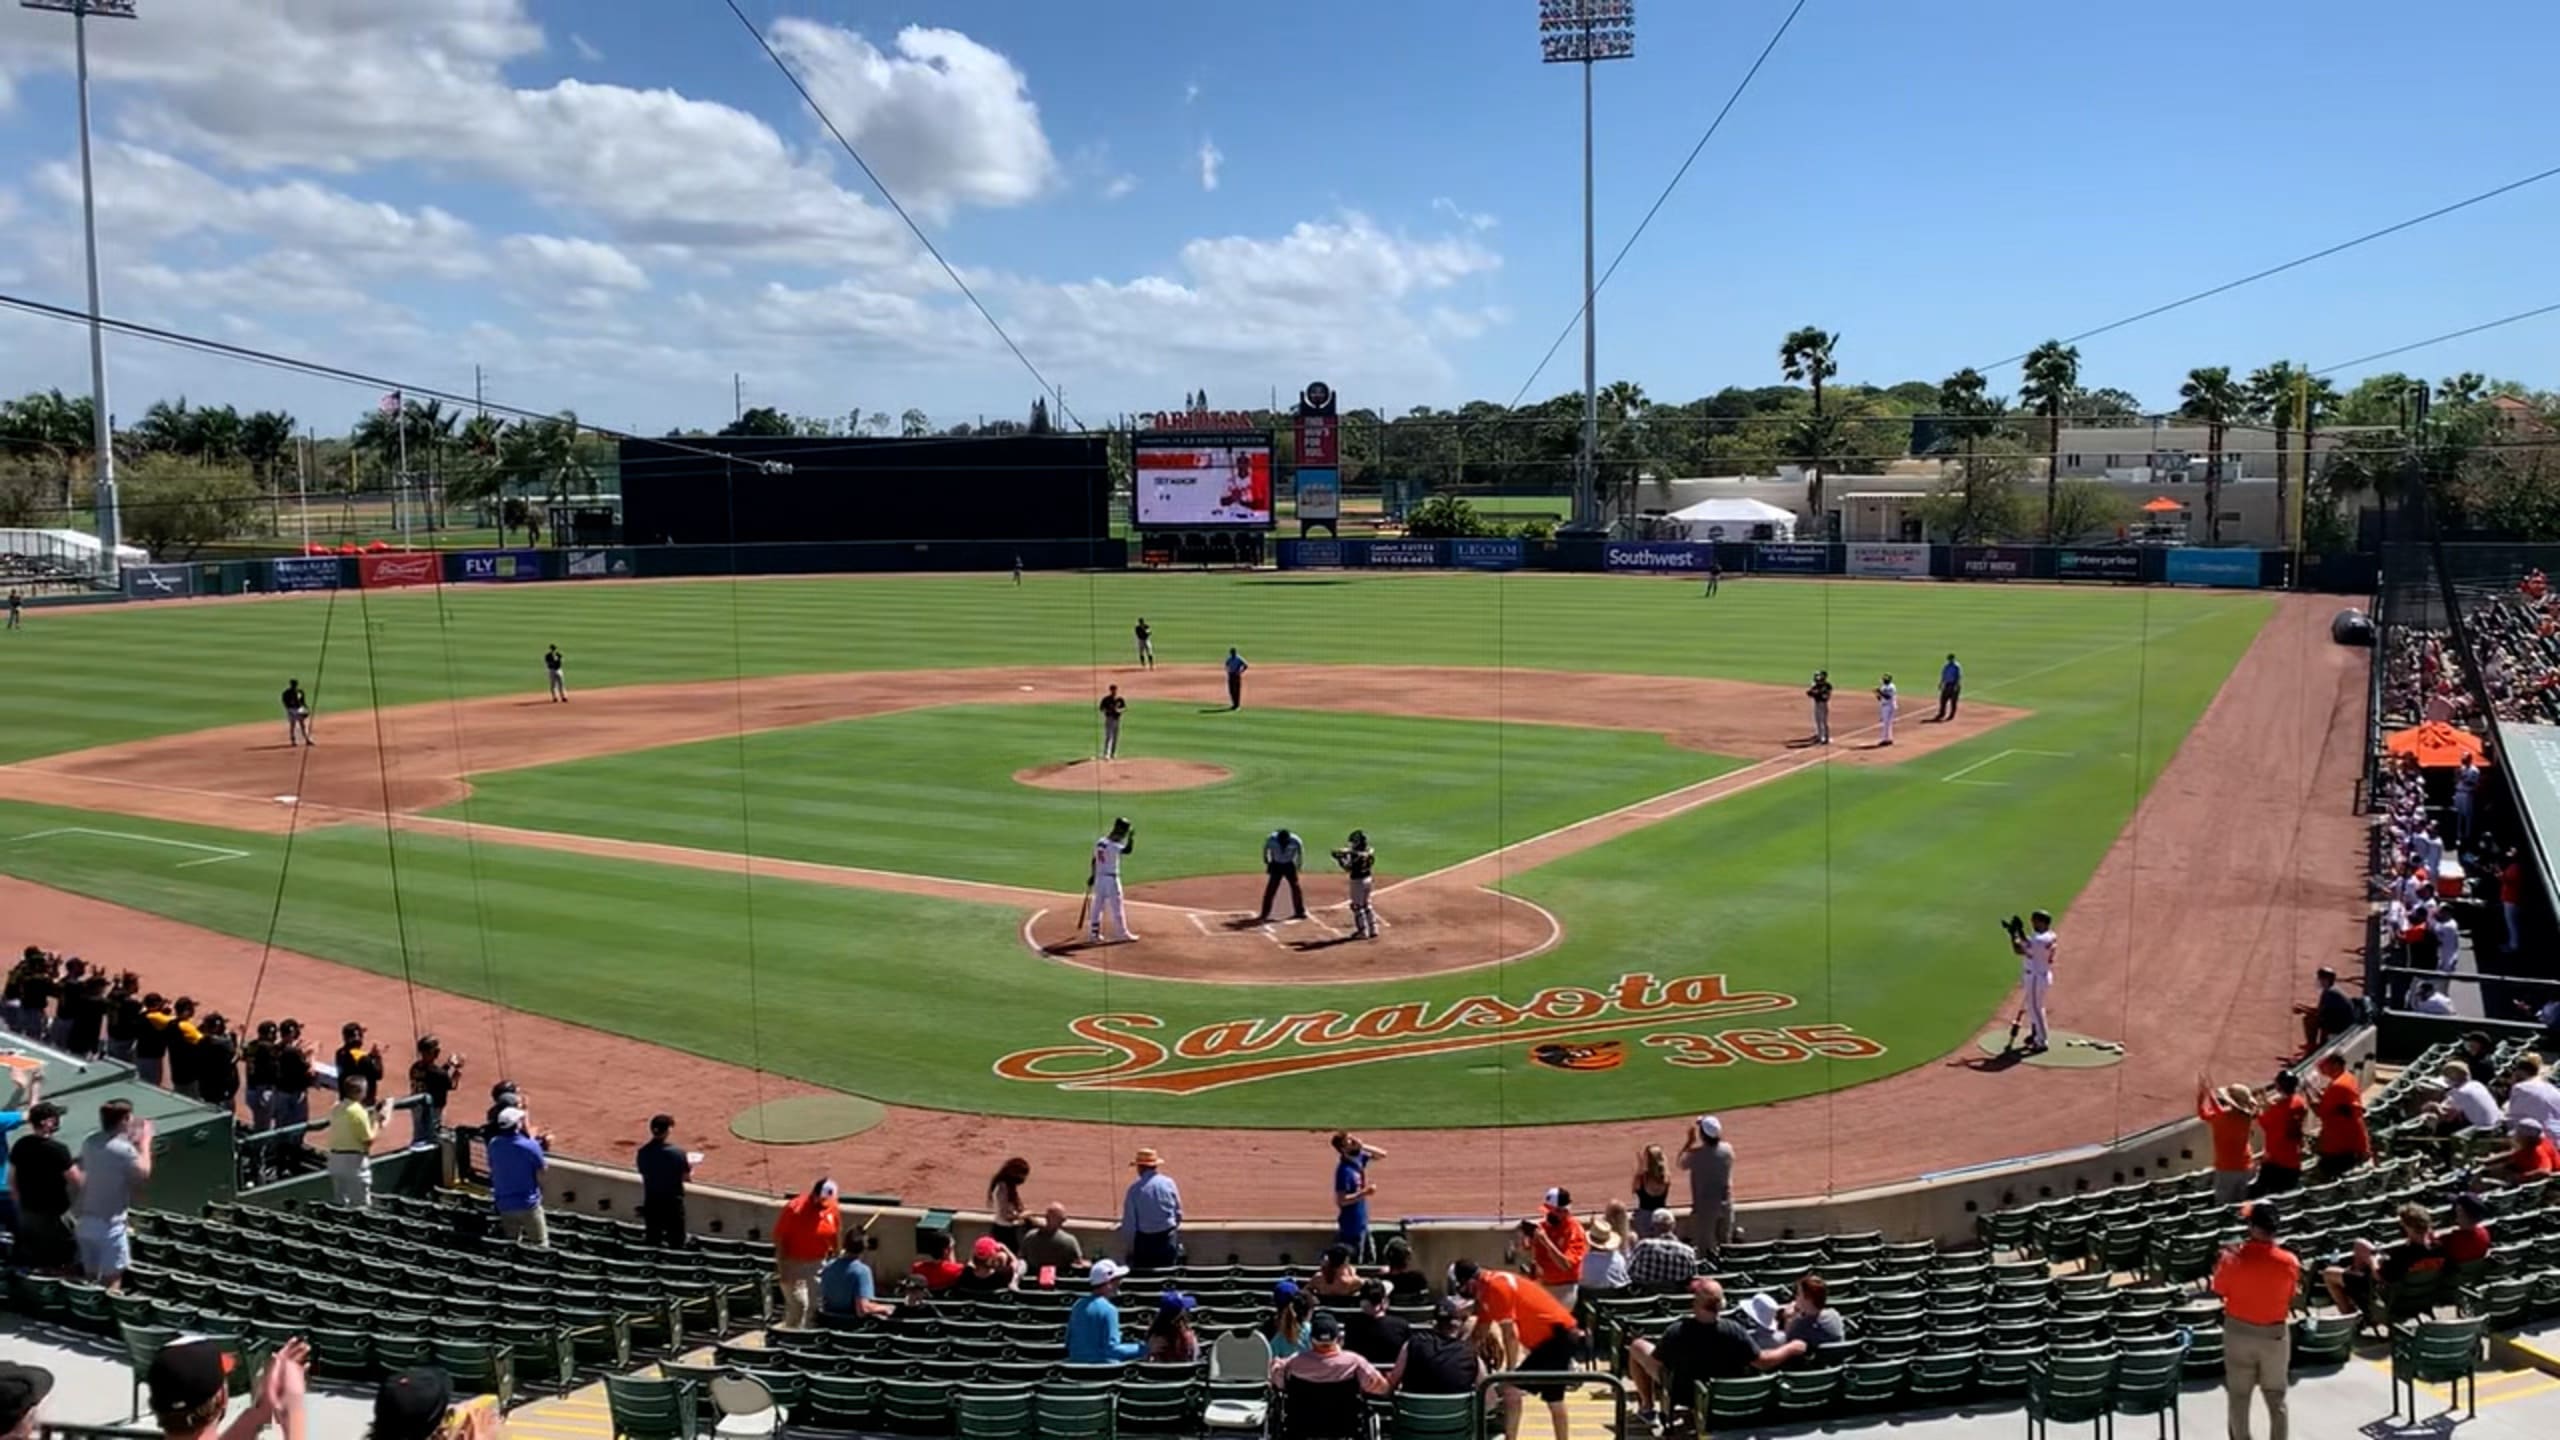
(1598, 1055)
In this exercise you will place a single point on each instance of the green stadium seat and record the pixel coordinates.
(2438, 1352)
(2073, 1388)
(650, 1408)
(1741, 1400)
(1060, 1413)
(2148, 1382)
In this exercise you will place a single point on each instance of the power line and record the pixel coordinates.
(1056, 395)
(2293, 264)
(1658, 201)
(2437, 339)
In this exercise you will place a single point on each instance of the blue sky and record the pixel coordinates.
(613, 205)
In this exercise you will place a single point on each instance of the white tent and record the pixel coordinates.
(76, 549)
(1737, 519)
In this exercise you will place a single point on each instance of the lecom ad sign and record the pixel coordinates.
(1203, 480)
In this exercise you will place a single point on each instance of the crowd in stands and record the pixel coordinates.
(2515, 634)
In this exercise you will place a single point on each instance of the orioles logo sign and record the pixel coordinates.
(1122, 1050)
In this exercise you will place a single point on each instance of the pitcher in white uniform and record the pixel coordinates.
(1104, 880)
(1887, 700)
(2035, 968)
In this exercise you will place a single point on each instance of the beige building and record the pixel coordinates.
(1887, 507)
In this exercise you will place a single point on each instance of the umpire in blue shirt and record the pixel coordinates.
(1280, 855)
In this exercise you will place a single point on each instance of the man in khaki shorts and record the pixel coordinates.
(2257, 1280)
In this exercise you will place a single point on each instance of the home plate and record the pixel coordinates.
(1026, 687)
(287, 799)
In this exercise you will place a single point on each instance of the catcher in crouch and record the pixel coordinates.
(1360, 863)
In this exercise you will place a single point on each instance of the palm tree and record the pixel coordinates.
(2211, 398)
(1805, 356)
(2314, 401)
(2271, 395)
(266, 437)
(62, 426)
(167, 427)
(2050, 383)
(2463, 389)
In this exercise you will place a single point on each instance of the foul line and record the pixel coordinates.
(215, 854)
(1957, 778)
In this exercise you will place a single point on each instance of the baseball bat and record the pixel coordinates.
(1087, 903)
(2019, 1019)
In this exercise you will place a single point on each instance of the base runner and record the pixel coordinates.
(1104, 880)
(1360, 864)
(297, 715)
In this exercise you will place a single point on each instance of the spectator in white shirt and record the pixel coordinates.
(2467, 1104)
(2532, 1097)
(2428, 1000)
(1604, 1263)
(2426, 848)
(2448, 940)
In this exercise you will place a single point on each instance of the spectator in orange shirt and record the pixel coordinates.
(2468, 1241)
(2281, 1119)
(1534, 1330)
(2227, 1114)
(804, 1235)
(1554, 1245)
(2257, 1280)
(2344, 1142)
(2534, 1153)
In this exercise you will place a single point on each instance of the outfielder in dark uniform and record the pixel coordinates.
(1280, 855)
(297, 715)
(551, 662)
(1360, 865)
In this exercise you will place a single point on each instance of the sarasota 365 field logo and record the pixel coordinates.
(1121, 1050)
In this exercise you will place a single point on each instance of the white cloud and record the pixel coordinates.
(946, 121)
(1472, 219)
(1120, 186)
(543, 262)
(586, 49)
(1211, 157)
(1191, 92)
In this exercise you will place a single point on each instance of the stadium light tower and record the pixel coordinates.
(1586, 32)
(105, 438)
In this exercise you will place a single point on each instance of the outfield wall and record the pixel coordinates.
(2088, 564)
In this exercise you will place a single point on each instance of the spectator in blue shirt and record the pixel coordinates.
(516, 1162)
(1151, 1216)
(29, 1085)
(1351, 1192)
(1093, 1326)
(845, 1290)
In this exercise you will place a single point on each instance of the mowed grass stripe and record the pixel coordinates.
(930, 792)
(95, 676)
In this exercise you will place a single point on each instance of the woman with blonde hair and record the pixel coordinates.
(1652, 1181)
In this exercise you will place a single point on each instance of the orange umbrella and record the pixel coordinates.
(2437, 745)
(2160, 505)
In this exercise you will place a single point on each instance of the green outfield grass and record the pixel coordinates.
(931, 792)
(1859, 892)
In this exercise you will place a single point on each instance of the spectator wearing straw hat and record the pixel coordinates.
(22, 1392)
(2228, 1114)
(1151, 1215)
(1709, 1161)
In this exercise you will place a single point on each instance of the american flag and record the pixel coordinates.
(390, 403)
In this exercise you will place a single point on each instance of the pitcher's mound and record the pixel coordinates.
(1130, 775)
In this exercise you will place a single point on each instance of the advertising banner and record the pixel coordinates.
(159, 582)
(1319, 441)
(2117, 565)
(599, 564)
(1310, 554)
(1319, 494)
(397, 570)
(1203, 480)
(2232, 569)
(1487, 554)
(1993, 562)
(484, 567)
(1403, 554)
(1654, 557)
(1903, 560)
(303, 572)
(1791, 559)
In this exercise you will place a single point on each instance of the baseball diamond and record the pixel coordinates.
(831, 835)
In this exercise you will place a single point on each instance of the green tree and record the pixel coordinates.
(1808, 356)
(2209, 398)
(2272, 393)
(2049, 386)
(2468, 388)
(23, 487)
(758, 420)
(1442, 517)
(914, 424)
(1982, 504)
(173, 506)
(2106, 408)
(2078, 511)
(62, 428)
(1981, 501)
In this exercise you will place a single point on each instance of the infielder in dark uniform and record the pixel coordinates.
(1360, 865)
(551, 662)
(1819, 692)
(1111, 707)
(1280, 855)
(1146, 644)
(297, 715)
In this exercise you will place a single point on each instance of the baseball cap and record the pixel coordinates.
(1284, 1290)
(987, 1248)
(1557, 1197)
(411, 1405)
(1709, 1127)
(1104, 1272)
(2529, 1129)
(511, 1118)
(1175, 1300)
(1447, 1310)
(1325, 1328)
(22, 1389)
(188, 1372)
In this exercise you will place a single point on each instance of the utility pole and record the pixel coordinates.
(479, 398)
(1585, 32)
(737, 396)
(104, 436)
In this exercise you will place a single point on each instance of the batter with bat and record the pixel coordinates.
(2035, 971)
(1360, 865)
(1102, 883)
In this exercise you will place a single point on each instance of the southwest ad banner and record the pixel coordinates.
(1654, 557)
(1900, 561)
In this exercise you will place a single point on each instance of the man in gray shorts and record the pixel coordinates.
(114, 1164)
